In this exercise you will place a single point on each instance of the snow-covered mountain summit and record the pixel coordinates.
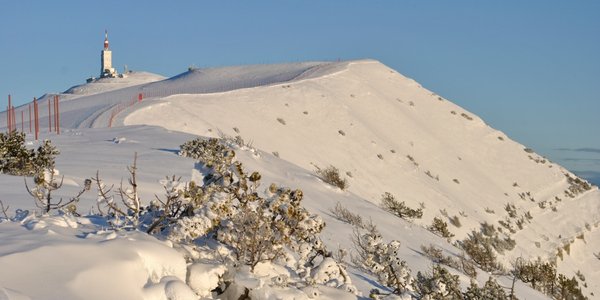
(383, 131)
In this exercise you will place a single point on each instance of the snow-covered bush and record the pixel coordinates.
(399, 208)
(332, 176)
(440, 284)
(210, 152)
(381, 259)
(236, 224)
(255, 227)
(16, 159)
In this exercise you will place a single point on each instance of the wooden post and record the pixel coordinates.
(8, 116)
(29, 117)
(35, 113)
(54, 105)
(56, 114)
(49, 117)
(13, 118)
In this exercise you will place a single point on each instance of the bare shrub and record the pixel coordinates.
(461, 263)
(45, 184)
(4, 209)
(344, 215)
(331, 175)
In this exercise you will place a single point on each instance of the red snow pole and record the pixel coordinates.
(8, 116)
(36, 115)
(29, 117)
(140, 97)
(56, 115)
(49, 117)
(13, 118)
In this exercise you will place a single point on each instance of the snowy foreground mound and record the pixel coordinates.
(64, 257)
(383, 131)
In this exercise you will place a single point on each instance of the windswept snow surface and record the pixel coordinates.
(101, 85)
(382, 130)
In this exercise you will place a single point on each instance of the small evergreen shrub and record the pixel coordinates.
(440, 284)
(399, 208)
(511, 210)
(455, 221)
(439, 227)
(544, 277)
(481, 251)
(16, 159)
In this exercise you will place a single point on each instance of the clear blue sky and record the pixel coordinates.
(528, 68)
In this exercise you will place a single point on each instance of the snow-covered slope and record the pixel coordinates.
(393, 136)
(384, 131)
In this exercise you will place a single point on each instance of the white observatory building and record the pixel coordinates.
(106, 59)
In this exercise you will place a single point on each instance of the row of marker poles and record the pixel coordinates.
(53, 116)
(36, 123)
(120, 107)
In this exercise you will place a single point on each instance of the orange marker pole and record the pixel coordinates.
(54, 107)
(35, 113)
(57, 115)
(14, 119)
(8, 116)
(49, 117)
(29, 117)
